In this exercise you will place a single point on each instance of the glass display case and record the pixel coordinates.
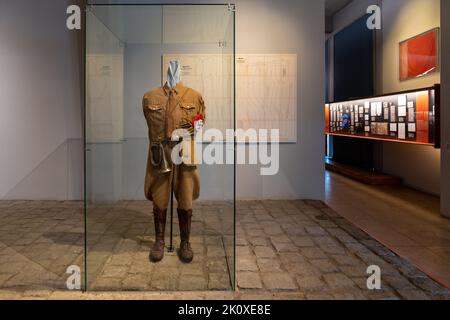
(129, 49)
(407, 117)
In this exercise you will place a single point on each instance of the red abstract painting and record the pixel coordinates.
(419, 55)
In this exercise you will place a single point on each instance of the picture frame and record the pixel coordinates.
(419, 55)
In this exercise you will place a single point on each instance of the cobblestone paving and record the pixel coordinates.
(38, 240)
(285, 250)
(120, 238)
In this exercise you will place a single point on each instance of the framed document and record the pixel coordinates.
(386, 113)
(401, 131)
(393, 113)
(393, 127)
(402, 100)
(411, 115)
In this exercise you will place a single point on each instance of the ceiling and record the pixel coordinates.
(333, 6)
(156, 24)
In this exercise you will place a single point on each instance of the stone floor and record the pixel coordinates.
(120, 237)
(38, 241)
(284, 250)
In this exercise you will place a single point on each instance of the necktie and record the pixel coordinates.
(171, 114)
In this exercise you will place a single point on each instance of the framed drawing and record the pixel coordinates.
(419, 56)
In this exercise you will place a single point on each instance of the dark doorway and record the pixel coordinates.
(354, 78)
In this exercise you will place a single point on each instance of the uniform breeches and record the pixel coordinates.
(186, 181)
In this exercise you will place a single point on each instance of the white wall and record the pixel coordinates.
(419, 166)
(445, 120)
(39, 102)
(262, 26)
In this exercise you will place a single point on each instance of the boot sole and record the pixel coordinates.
(155, 260)
(185, 260)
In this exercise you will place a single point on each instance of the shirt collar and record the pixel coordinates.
(179, 88)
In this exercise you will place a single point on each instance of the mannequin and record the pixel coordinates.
(173, 74)
(168, 109)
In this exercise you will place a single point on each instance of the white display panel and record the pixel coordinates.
(105, 92)
(209, 74)
(266, 89)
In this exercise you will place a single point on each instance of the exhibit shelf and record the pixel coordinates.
(411, 117)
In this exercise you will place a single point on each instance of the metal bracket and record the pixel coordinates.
(232, 7)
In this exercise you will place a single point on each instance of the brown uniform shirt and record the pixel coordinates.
(166, 110)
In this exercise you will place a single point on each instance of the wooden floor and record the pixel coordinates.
(405, 220)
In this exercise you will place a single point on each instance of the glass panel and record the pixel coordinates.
(228, 217)
(128, 53)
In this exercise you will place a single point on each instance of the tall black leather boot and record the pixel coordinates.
(185, 252)
(157, 251)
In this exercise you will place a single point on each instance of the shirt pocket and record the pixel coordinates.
(157, 120)
(188, 112)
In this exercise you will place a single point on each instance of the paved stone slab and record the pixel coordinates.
(136, 282)
(192, 283)
(249, 280)
(219, 281)
(264, 252)
(313, 253)
(354, 271)
(311, 283)
(302, 241)
(301, 268)
(269, 265)
(316, 230)
(291, 257)
(338, 280)
(346, 260)
(324, 265)
(258, 241)
(278, 281)
(285, 247)
(246, 264)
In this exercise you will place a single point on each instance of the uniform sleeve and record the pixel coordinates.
(202, 108)
(145, 106)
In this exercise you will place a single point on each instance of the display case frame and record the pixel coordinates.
(226, 207)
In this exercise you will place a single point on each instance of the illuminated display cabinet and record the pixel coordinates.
(407, 117)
